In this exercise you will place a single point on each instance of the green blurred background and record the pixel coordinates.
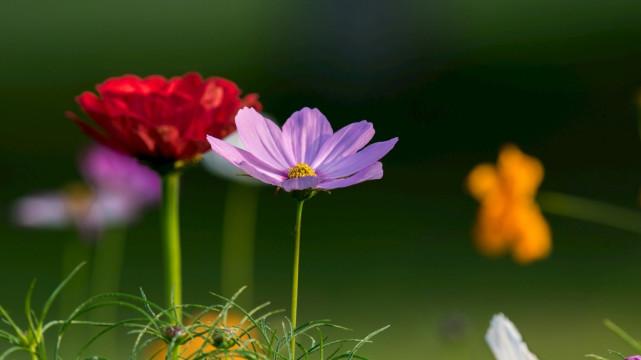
(453, 79)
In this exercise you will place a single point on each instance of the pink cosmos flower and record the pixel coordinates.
(217, 165)
(109, 171)
(118, 190)
(306, 153)
(88, 211)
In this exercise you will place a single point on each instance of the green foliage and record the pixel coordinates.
(617, 330)
(618, 355)
(32, 338)
(224, 330)
(623, 335)
(257, 335)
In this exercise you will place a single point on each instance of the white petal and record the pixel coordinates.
(46, 210)
(110, 209)
(505, 341)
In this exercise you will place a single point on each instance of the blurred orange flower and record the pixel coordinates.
(509, 219)
(198, 346)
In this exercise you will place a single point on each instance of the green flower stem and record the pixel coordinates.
(622, 334)
(592, 211)
(106, 273)
(40, 353)
(36, 355)
(294, 310)
(107, 262)
(171, 242)
(239, 225)
(73, 253)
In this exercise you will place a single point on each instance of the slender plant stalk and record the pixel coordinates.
(73, 253)
(34, 353)
(590, 210)
(108, 260)
(171, 241)
(43, 350)
(622, 334)
(106, 274)
(239, 225)
(638, 119)
(41, 353)
(294, 310)
(38, 354)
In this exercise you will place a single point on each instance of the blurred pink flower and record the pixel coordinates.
(118, 190)
(108, 171)
(46, 210)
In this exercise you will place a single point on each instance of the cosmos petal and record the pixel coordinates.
(46, 210)
(306, 131)
(373, 172)
(483, 180)
(109, 208)
(505, 341)
(524, 172)
(246, 162)
(345, 142)
(263, 138)
(218, 165)
(307, 182)
(535, 242)
(113, 172)
(354, 163)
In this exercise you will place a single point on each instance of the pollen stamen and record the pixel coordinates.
(300, 170)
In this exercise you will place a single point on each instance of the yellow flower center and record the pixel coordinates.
(78, 199)
(300, 170)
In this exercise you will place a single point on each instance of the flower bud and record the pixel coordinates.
(174, 332)
(224, 338)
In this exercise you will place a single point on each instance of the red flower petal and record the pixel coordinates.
(160, 119)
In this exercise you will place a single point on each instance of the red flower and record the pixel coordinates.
(161, 121)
